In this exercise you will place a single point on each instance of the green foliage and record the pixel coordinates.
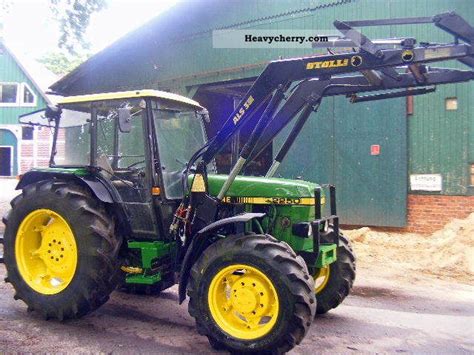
(5, 6)
(60, 63)
(74, 17)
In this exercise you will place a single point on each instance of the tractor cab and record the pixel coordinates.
(138, 141)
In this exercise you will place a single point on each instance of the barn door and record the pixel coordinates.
(371, 162)
(362, 149)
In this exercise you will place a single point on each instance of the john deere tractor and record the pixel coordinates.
(132, 198)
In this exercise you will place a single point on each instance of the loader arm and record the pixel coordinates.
(292, 88)
(379, 65)
(310, 92)
(281, 73)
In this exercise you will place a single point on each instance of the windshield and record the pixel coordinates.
(73, 143)
(179, 134)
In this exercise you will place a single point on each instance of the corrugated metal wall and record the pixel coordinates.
(440, 141)
(176, 54)
(335, 148)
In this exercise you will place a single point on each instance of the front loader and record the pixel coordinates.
(132, 198)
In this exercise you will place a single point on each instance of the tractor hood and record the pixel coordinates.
(261, 190)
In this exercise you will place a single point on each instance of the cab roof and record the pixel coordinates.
(130, 94)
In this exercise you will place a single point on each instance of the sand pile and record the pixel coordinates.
(447, 253)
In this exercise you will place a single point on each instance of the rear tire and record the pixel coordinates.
(96, 259)
(340, 279)
(263, 258)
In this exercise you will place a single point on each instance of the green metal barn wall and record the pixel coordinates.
(11, 72)
(335, 148)
(437, 140)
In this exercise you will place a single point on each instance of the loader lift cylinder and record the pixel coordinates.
(255, 135)
(292, 137)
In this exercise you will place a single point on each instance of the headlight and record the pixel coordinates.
(302, 229)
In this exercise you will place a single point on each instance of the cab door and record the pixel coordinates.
(126, 161)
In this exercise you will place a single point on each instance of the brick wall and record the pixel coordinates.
(428, 213)
(35, 152)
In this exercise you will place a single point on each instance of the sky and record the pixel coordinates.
(30, 30)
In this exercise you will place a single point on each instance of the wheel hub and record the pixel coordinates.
(243, 302)
(55, 250)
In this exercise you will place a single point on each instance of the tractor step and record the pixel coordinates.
(151, 253)
(143, 279)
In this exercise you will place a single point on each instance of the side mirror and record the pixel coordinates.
(204, 115)
(124, 120)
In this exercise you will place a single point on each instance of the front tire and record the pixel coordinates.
(251, 293)
(334, 282)
(60, 250)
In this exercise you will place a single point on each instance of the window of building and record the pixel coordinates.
(28, 97)
(27, 133)
(8, 94)
(451, 103)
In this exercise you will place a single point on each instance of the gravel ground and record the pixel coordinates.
(389, 311)
(379, 317)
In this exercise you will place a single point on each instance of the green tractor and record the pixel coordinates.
(132, 199)
(112, 211)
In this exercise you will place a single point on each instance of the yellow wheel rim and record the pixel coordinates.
(321, 279)
(243, 302)
(46, 251)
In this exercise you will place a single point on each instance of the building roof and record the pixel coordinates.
(39, 76)
(136, 59)
(130, 94)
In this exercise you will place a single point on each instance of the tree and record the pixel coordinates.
(60, 63)
(74, 17)
(5, 5)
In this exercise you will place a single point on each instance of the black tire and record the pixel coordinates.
(286, 270)
(341, 277)
(97, 267)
